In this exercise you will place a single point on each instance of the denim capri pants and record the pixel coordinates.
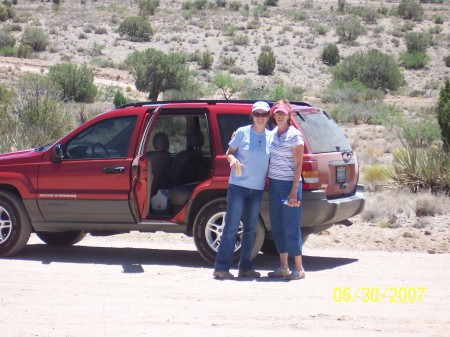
(285, 220)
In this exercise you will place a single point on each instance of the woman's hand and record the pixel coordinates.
(292, 199)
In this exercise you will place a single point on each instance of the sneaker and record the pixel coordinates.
(295, 275)
(249, 273)
(223, 275)
(279, 272)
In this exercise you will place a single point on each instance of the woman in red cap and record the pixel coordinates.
(285, 191)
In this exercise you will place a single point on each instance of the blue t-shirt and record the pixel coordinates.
(252, 151)
(281, 156)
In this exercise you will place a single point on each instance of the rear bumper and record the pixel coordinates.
(320, 212)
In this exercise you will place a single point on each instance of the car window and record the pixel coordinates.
(322, 133)
(229, 123)
(109, 138)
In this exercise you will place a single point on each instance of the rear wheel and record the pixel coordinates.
(15, 225)
(68, 238)
(208, 228)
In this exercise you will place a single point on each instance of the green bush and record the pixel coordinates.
(205, 60)
(235, 6)
(270, 3)
(418, 134)
(156, 72)
(119, 99)
(349, 30)
(148, 7)
(354, 91)
(447, 60)
(419, 169)
(414, 60)
(24, 51)
(266, 61)
(136, 29)
(330, 55)
(38, 111)
(417, 42)
(6, 38)
(443, 113)
(77, 84)
(373, 68)
(410, 10)
(36, 38)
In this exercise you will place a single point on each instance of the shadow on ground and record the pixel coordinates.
(132, 259)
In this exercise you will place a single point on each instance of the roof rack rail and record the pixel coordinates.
(208, 101)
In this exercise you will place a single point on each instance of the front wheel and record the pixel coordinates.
(15, 224)
(68, 238)
(208, 228)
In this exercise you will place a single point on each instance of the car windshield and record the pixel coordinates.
(322, 133)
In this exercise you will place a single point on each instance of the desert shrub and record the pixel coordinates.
(417, 42)
(6, 38)
(24, 51)
(77, 83)
(414, 60)
(36, 38)
(5, 102)
(418, 134)
(330, 55)
(205, 60)
(240, 40)
(374, 177)
(234, 6)
(438, 20)
(189, 90)
(349, 30)
(447, 60)
(226, 84)
(119, 99)
(156, 72)
(221, 3)
(194, 5)
(443, 113)
(136, 28)
(321, 29)
(283, 91)
(272, 3)
(266, 61)
(353, 91)
(6, 13)
(418, 169)
(148, 7)
(410, 10)
(373, 68)
(341, 6)
(39, 111)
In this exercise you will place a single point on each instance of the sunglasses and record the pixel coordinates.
(260, 114)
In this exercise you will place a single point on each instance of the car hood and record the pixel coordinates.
(20, 157)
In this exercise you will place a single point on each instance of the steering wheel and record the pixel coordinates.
(99, 145)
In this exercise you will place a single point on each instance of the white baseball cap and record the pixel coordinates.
(261, 105)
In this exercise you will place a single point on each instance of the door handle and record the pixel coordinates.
(113, 170)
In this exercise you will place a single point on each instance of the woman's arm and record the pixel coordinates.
(297, 153)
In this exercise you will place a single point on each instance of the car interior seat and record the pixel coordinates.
(159, 161)
(187, 169)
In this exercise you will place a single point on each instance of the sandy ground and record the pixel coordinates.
(157, 285)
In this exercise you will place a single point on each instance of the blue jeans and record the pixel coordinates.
(285, 220)
(242, 203)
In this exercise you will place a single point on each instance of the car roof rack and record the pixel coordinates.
(210, 102)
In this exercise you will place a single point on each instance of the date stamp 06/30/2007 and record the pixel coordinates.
(378, 295)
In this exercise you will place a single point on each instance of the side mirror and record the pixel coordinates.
(58, 154)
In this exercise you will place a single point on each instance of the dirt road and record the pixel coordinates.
(125, 286)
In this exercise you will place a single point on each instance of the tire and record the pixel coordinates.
(208, 228)
(15, 224)
(68, 238)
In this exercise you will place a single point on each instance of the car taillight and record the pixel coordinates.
(310, 172)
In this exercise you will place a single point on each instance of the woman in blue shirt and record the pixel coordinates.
(248, 155)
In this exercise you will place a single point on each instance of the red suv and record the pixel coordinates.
(161, 166)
